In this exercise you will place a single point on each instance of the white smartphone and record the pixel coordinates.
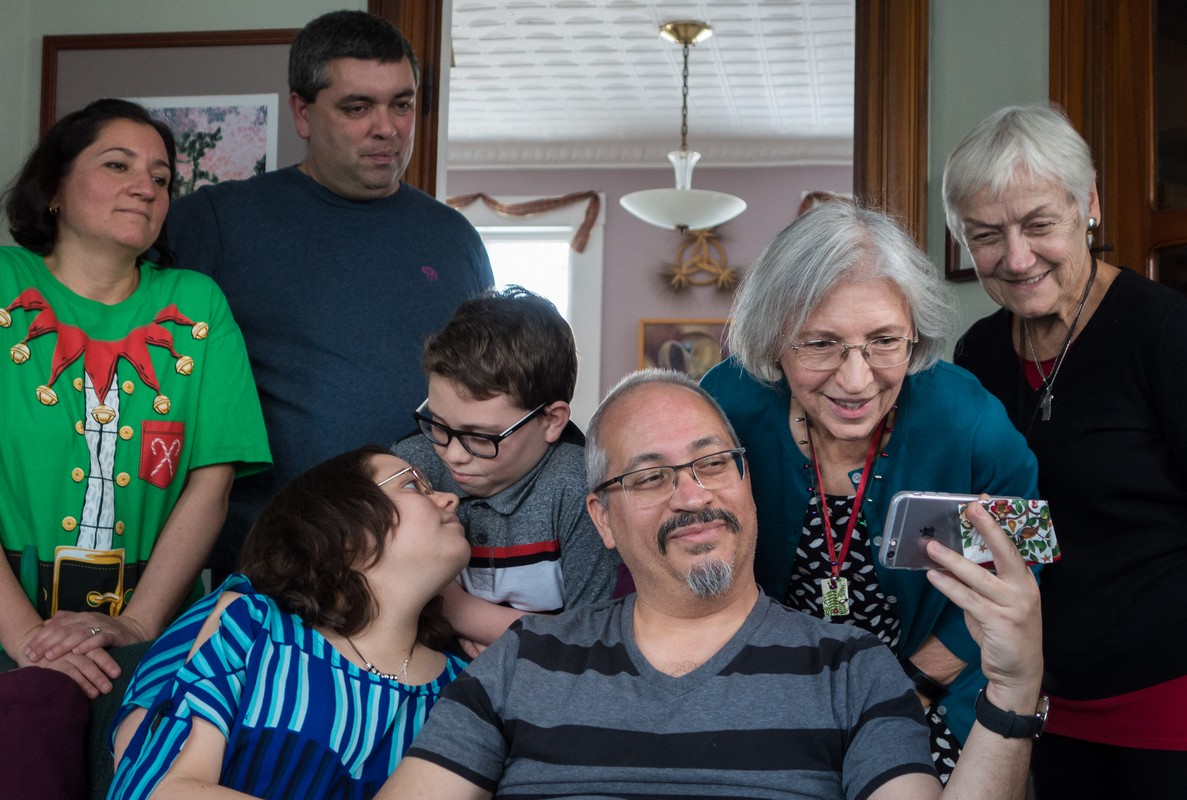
(916, 518)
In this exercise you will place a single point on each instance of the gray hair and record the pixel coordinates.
(597, 460)
(830, 244)
(343, 34)
(1037, 141)
(710, 578)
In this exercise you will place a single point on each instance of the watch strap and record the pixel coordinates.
(925, 684)
(1009, 724)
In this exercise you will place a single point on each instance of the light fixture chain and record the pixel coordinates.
(684, 104)
(683, 208)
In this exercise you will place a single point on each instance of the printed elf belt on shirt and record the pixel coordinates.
(524, 576)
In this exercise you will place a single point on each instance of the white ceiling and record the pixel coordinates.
(590, 82)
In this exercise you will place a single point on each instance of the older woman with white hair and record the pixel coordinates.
(836, 390)
(1088, 360)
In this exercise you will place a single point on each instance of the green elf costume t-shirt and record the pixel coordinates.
(105, 410)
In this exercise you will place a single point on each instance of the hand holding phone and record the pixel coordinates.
(915, 518)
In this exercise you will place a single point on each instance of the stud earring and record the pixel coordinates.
(53, 210)
(1092, 223)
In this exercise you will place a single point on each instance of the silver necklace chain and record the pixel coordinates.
(1049, 380)
(401, 676)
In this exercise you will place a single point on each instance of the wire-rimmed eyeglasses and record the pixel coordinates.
(651, 486)
(422, 483)
(880, 352)
(479, 445)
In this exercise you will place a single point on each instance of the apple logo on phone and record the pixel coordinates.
(928, 532)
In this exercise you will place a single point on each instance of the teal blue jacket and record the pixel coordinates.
(950, 435)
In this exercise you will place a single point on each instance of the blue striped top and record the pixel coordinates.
(300, 719)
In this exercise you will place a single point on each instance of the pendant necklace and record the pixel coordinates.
(1049, 380)
(834, 590)
(401, 676)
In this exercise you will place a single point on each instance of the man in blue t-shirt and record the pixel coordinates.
(699, 685)
(335, 270)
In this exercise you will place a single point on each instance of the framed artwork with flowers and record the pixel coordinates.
(222, 93)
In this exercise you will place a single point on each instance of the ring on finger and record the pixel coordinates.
(95, 631)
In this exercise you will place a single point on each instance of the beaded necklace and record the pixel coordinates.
(401, 676)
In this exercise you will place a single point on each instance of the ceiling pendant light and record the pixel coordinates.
(684, 208)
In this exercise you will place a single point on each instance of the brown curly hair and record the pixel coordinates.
(314, 536)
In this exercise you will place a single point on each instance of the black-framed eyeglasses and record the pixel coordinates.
(422, 483)
(651, 486)
(880, 352)
(479, 445)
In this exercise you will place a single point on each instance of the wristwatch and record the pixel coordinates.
(1009, 724)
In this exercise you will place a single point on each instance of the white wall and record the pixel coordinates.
(984, 55)
(24, 22)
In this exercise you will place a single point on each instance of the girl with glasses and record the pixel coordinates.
(309, 673)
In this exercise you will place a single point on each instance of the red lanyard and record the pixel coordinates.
(875, 441)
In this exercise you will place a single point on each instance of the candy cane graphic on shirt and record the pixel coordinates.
(100, 423)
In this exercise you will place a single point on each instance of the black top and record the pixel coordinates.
(1113, 464)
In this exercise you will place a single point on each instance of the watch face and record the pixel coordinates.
(1041, 714)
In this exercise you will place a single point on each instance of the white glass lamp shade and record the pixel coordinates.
(683, 208)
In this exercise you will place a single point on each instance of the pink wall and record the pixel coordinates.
(635, 252)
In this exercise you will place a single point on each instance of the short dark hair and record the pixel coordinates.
(511, 342)
(310, 542)
(343, 34)
(29, 196)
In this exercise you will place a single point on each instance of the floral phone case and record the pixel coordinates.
(915, 518)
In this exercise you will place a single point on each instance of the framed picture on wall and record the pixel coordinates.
(226, 85)
(219, 137)
(958, 264)
(687, 345)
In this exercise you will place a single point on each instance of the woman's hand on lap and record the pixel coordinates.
(82, 632)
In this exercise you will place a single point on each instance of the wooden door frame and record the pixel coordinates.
(1101, 73)
(890, 115)
(420, 21)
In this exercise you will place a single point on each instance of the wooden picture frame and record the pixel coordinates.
(958, 265)
(693, 346)
(77, 69)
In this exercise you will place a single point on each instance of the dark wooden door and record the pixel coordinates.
(1117, 68)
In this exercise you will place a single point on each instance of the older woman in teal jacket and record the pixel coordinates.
(835, 389)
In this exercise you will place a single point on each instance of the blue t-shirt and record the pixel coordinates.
(335, 298)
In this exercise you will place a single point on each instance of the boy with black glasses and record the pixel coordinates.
(495, 430)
